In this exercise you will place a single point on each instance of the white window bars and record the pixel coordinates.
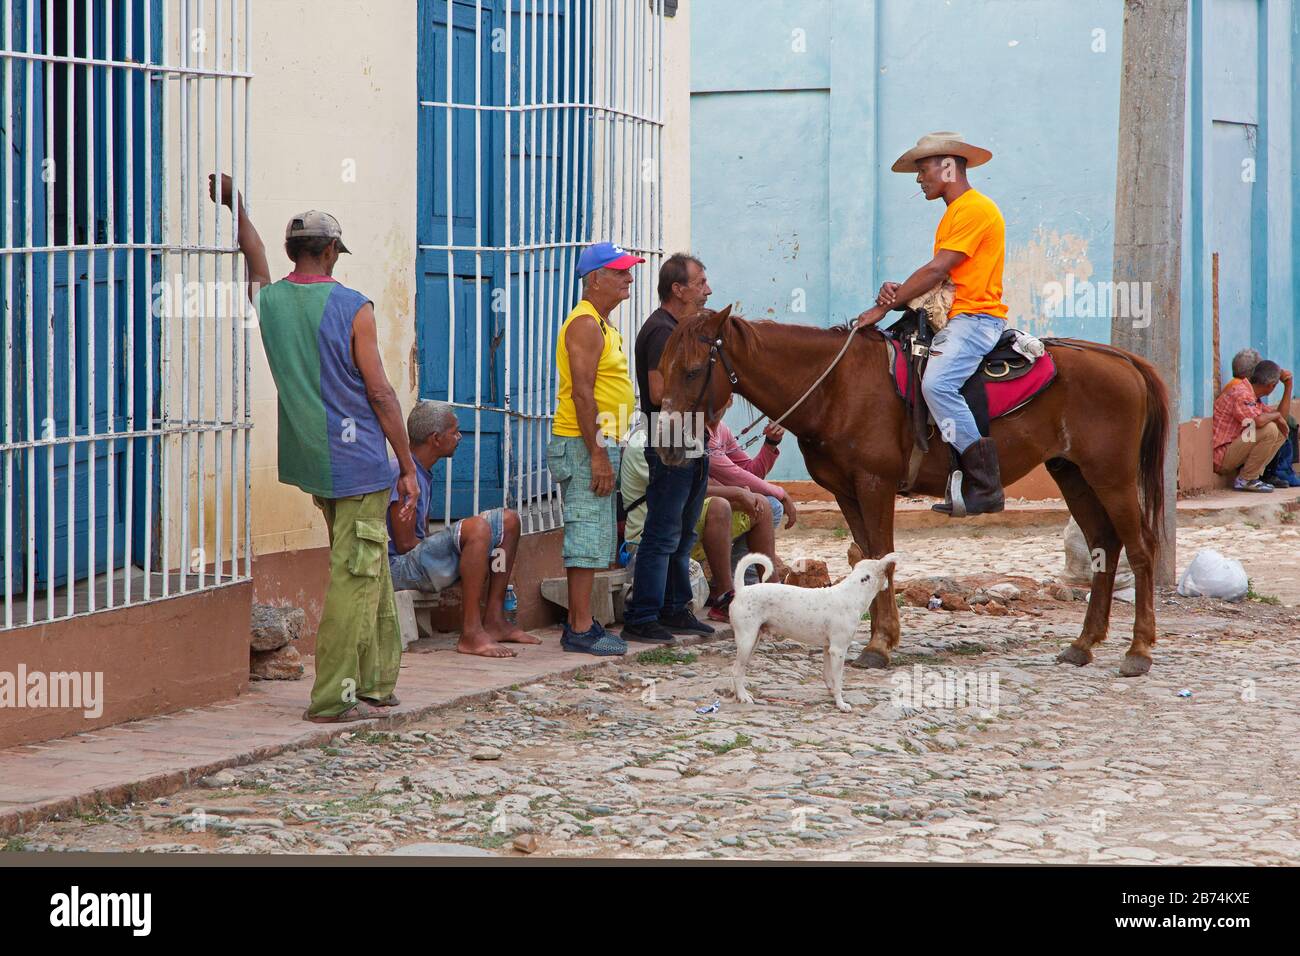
(126, 478)
(569, 96)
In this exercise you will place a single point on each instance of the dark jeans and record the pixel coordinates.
(661, 580)
(1283, 462)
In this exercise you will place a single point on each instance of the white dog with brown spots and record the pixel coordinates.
(823, 617)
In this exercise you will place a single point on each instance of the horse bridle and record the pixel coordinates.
(715, 355)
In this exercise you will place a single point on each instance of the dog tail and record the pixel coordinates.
(747, 562)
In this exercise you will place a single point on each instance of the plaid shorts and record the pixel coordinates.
(590, 521)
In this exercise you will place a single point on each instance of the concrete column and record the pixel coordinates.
(1149, 207)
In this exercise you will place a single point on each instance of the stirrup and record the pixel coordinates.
(956, 504)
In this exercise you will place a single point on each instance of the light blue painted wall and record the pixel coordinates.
(1241, 113)
(798, 108)
(1022, 78)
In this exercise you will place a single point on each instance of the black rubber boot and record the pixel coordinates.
(978, 484)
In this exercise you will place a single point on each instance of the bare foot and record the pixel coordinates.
(481, 643)
(507, 633)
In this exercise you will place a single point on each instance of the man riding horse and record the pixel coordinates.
(1100, 426)
(969, 246)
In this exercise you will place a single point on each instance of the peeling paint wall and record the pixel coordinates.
(1031, 270)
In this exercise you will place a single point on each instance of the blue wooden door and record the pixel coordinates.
(454, 293)
(15, 207)
(90, 311)
(461, 303)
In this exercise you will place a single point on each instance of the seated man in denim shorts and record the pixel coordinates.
(478, 551)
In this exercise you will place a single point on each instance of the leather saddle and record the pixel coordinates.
(988, 391)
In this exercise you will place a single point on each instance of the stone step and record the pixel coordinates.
(606, 594)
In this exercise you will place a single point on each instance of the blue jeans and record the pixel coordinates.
(955, 353)
(661, 578)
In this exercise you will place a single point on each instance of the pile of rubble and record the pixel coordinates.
(273, 652)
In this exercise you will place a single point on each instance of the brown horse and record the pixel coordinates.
(1100, 427)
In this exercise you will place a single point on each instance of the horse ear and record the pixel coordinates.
(724, 314)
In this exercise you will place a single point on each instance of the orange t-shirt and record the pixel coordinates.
(973, 225)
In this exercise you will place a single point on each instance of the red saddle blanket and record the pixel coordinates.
(1000, 397)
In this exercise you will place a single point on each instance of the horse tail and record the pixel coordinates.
(748, 561)
(1151, 456)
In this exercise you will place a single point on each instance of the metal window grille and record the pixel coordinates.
(578, 126)
(126, 402)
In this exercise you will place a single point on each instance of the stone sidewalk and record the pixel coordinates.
(144, 759)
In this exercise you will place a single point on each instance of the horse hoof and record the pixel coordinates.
(1134, 665)
(871, 660)
(1074, 655)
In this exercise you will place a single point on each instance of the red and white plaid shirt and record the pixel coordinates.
(1232, 409)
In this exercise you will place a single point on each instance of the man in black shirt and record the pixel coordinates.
(659, 605)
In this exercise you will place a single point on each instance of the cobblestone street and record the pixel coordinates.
(1195, 763)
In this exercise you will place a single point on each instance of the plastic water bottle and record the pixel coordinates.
(511, 605)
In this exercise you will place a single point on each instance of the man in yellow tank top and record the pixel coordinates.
(594, 402)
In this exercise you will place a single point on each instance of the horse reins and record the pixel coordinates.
(716, 353)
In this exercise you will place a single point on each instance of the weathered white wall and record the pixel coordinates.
(333, 128)
(677, 129)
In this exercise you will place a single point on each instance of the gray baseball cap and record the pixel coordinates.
(314, 224)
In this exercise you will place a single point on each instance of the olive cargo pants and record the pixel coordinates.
(358, 643)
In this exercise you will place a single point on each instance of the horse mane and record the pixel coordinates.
(697, 324)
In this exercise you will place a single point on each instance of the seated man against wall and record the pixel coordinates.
(731, 467)
(1280, 472)
(733, 522)
(478, 551)
(1247, 432)
(1243, 363)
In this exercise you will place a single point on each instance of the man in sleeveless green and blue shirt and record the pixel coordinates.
(336, 408)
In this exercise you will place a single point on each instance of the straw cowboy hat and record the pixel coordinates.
(942, 143)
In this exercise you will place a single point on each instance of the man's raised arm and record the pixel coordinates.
(250, 243)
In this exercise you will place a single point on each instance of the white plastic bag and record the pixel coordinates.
(1212, 575)
(1078, 561)
(699, 585)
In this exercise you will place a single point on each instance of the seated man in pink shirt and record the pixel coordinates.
(1247, 432)
(739, 495)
